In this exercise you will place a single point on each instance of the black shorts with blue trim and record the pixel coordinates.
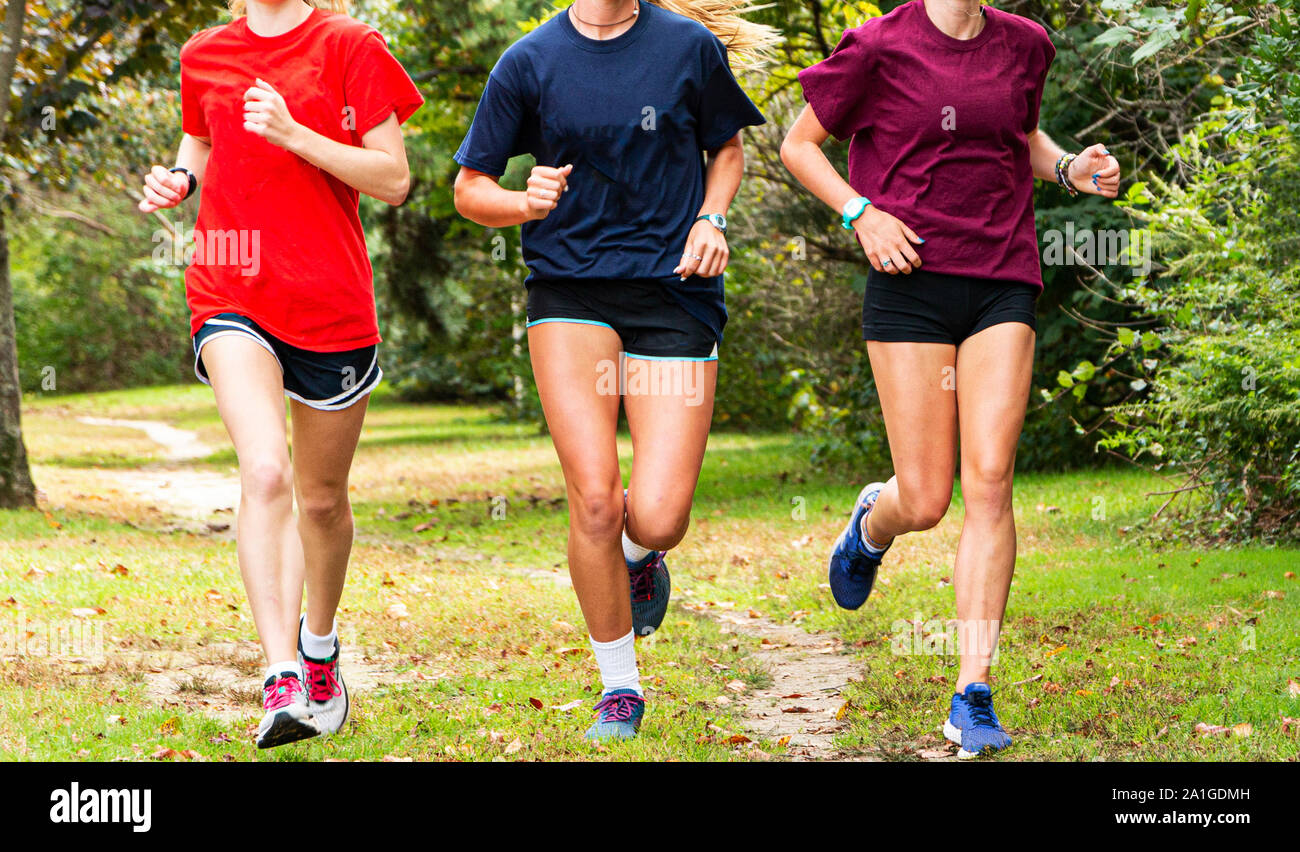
(648, 320)
(328, 381)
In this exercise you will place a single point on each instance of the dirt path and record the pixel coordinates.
(189, 495)
(800, 707)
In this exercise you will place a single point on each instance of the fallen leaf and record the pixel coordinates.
(737, 686)
(86, 611)
(737, 739)
(795, 709)
(398, 611)
(1205, 730)
(537, 703)
(565, 708)
(514, 746)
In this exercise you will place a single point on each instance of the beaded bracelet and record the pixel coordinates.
(1063, 173)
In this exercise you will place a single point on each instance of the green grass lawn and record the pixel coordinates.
(466, 650)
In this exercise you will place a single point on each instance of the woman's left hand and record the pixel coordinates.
(706, 252)
(267, 115)
(1095, 171)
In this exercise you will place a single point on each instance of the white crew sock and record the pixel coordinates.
(318, 647)
(275, 669)
(617, 661)
(633, 552)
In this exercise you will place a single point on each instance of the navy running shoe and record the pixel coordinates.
(973, 725)
(618, 715)
(651, 587)
(852, 570)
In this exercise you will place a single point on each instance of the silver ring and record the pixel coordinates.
(695, 257)
(886, 262)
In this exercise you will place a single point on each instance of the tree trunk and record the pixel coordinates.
(16, 486)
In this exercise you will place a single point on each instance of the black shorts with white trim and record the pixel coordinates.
(328, 381)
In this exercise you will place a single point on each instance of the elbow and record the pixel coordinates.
(399, 190)
(787, 152)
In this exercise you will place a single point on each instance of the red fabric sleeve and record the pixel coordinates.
(375, 84)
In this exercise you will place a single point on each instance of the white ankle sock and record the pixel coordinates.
(318, 647)
(275, 669)
(868, 543)
(632, 551)
(617, 661)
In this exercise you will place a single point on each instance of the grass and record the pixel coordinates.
(466, 649)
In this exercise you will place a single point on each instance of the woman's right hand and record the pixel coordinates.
(163, 189)
(887, 241)
(545, 186)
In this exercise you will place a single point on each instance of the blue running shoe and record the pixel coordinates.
(852, 570)
(973, 725)
(618, 716)
(650, 589)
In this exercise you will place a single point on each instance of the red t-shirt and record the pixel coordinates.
(939, 129)
(278, 239)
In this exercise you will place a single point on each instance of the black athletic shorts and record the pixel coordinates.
(643, 313)
(931, 307)
(328, 381)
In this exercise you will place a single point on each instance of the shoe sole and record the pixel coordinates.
(953, 734)
(286, 728)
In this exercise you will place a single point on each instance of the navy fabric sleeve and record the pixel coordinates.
(723, 107)
(836, 87)
(496, 133)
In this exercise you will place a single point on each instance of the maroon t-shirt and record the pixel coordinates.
(939, 129)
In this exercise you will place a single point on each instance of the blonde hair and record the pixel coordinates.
(749, 45)
(238, 7)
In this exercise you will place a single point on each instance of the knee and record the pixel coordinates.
(597, 513)
(923, 509)
(324, 505)
(266, 480)
(661, 530)
(986, 491)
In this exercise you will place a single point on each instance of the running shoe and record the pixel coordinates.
(288, 718)
(853, 570)
(618, 715)
(973, 725)
(650, 589)
(327, 694)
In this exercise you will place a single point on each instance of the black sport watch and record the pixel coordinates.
(194, 182)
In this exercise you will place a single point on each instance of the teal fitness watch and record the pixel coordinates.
(717, 220)
(853, 208)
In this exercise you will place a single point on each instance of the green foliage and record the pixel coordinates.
(1215, 380)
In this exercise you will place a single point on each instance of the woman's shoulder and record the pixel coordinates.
(1020, 28)
(202, 39)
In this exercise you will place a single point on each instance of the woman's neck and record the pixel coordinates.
(586, 13)
(276, 17)
(960, 19)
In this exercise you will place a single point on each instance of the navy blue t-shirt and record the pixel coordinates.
(633, 114)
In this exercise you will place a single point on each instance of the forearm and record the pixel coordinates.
(722, 176)
(1043, 154)
(374, 172)
(480, 199)
(193, 155)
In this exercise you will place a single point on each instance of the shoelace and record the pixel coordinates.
(617, 708)
(280, 693)
(321, 683)
(981, 711)
(643, 580)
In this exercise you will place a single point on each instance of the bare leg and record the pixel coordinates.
(324, 443)
(915, 382)
(994, 371)
(569, 361)
(250, 398)
(669, 435)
